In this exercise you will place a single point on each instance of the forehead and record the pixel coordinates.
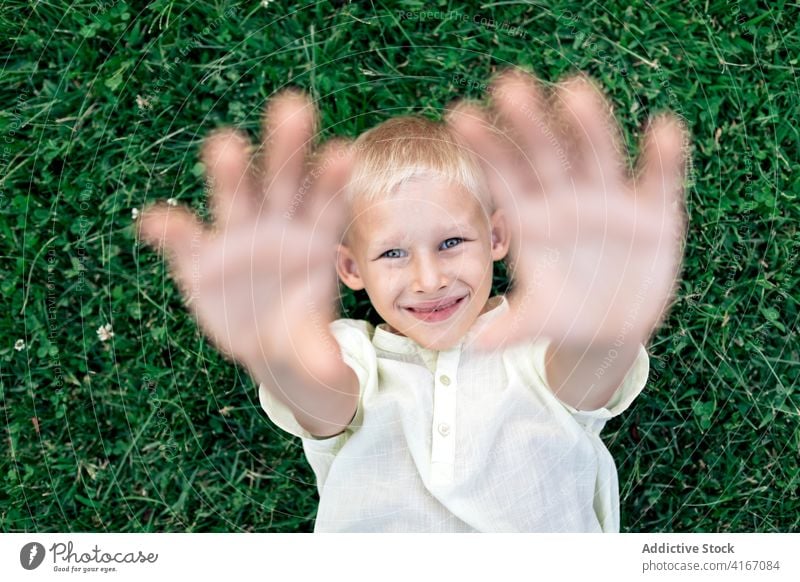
(418, 206)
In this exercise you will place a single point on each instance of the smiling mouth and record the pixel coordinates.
(439, 313)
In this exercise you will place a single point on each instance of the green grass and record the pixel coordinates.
(154, 431)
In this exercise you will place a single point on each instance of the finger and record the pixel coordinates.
(226, 157)
(330, 174)
(472, 125)
(522, 106)
(661, 169)
(289, 124)
(591, 122)
(173, 230)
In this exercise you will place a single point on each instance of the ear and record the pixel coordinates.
(501, 235)
(347, 268)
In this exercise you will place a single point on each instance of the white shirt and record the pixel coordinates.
(458, 441)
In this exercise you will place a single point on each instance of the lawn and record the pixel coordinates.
(150, 429)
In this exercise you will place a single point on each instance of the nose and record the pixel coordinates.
(429, 274)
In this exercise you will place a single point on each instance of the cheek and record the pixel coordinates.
(386, 283)
(474, 269)
(392, 279)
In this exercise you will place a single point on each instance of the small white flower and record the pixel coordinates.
(134, 213)
(19, 345)
(104, 332)
(172, 202)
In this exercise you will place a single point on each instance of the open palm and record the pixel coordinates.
(595, 252)
(265, 267)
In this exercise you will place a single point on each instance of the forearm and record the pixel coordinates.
(314, 382)
(587, 377)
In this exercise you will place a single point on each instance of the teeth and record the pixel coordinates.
(435, 309)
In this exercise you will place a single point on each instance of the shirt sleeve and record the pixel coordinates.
(632, 384)
(353, 337)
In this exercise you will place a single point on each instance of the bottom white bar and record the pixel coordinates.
(388, 557)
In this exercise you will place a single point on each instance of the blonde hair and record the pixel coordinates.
(404, 148)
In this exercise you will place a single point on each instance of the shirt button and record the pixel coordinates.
(444, 429)
(444, 379)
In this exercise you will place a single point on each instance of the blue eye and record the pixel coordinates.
(393, 254)
(447, 244)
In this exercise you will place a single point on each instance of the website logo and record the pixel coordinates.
(31, 555)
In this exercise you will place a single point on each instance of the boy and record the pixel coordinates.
(461, 412)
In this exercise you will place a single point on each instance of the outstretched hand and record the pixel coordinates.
(260, 277)
(595, 252)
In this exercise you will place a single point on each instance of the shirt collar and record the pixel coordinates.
(391, 342)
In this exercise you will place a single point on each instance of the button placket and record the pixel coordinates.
(444, 416)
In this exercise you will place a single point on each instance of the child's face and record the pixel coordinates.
(430, 245)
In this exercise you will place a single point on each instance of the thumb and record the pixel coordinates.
(172, 230)
(495, 335)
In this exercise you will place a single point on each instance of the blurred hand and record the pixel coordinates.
(261, 279)
(595, 253)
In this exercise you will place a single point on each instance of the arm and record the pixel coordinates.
(586, 379)
(322, 392)
(596, 251)
(260, 280)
